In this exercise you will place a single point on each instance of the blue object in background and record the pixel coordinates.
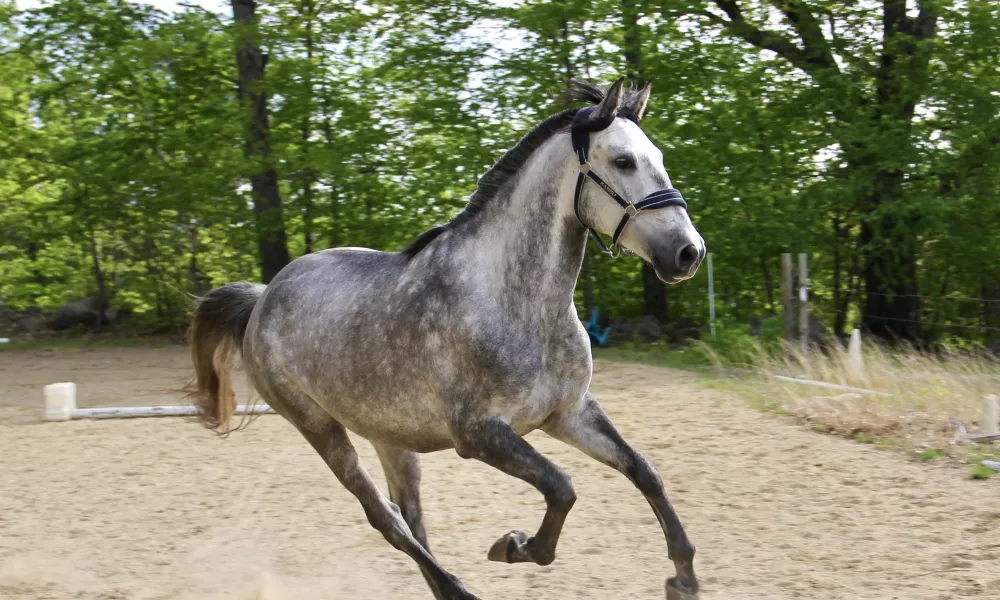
(595, 330)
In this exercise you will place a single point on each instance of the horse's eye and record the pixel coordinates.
(626, 163)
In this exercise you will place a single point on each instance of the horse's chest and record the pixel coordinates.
(562, 381)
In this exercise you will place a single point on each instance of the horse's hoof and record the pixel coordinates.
(510, 548)
(682, 590)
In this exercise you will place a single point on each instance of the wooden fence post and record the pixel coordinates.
(786, 296)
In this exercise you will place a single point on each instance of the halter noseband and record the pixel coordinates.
(664, 198)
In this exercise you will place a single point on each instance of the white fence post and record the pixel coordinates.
(988, 424)
(60, 401)
(855, 366)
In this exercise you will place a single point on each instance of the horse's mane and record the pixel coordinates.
(512, 160)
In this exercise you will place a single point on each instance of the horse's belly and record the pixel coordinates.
(408, 423)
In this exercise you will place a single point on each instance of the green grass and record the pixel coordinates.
(865, 438)
(932, 454)
(657, 355)
(76, 343)
(981, 472)
(925, 392)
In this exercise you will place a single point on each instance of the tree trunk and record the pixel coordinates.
(196, 277)
(768, 284)
(991, 310)
(632, 46)
(327, 128)
(654, 291)
(872, 148)
(251, 62)
(892, 311)
(102, 288)
(888, 231)
(840, 296)
(153, 272)
(839, 319)
(307, 171)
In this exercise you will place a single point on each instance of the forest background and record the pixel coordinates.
(152, 152)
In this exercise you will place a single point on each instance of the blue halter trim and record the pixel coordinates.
(664, 198)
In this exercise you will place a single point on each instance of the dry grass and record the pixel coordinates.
(929, 396)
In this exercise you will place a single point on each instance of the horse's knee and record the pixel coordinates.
(560, 493)
(643, 474)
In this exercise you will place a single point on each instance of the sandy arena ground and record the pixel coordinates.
(161, 509)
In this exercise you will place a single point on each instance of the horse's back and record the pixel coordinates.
(322, 292)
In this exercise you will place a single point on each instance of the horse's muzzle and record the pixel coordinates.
(678, 261)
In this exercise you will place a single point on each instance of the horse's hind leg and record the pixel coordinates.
(330, 440)
(587, 427)
(495, 443)
(402, 474)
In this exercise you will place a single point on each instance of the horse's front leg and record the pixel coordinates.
(588, 428)
(494, 442)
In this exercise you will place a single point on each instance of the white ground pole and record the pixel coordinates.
(831, 386)
(60, 405)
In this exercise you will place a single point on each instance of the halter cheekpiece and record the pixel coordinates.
(664, 198)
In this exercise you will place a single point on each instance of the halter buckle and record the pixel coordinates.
(631, 210)
(585, 167)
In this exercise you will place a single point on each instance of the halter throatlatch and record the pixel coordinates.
(580, 133)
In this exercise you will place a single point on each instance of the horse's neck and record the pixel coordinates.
(529, 240)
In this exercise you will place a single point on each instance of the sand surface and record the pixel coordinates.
(162, 509)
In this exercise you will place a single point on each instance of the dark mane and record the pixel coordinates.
(505, 168)
(512, 161)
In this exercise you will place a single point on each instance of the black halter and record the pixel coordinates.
(659, 199)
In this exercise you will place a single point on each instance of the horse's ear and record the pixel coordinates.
(605, 112)
(636, 103)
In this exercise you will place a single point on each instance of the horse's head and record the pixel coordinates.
(627, 164)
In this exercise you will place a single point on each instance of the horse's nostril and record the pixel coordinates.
(687, 257)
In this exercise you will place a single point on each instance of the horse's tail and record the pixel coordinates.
(220, 322)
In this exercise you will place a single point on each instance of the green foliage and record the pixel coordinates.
(981, 472)
(931, 454)
(736, 346)
(658, 354)
(122, 170)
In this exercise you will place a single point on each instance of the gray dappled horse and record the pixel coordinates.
(467, 339)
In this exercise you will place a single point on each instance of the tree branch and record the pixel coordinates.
(924, 27)
(840, 47)
(809, 30)
(770, 40)
(213, 15)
